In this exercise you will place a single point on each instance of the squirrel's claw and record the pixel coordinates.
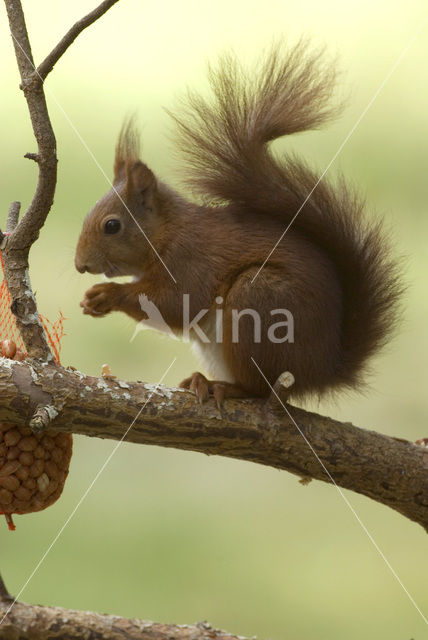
(92, 312)
(204, 389)
(197, 384)
(89, 311)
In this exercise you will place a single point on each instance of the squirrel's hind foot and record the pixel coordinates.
(218, 389)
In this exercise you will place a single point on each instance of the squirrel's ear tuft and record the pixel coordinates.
(127, 149)
(139, 178)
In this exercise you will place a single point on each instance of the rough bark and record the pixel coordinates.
(391, 471)
(32, 622)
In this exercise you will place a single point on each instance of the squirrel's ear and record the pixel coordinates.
(127, 150)
(119, 170)
(139, 178)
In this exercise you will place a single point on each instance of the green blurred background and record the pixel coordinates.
(176, 536)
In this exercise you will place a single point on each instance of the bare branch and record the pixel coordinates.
(24, 234)
(32, 622)
(391, 471)
(49, 62)
(28, 230)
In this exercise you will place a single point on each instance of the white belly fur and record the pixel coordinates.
(211, 353)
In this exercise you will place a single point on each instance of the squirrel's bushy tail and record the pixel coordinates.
(225, 143)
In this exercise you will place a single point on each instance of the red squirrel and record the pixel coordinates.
(259, 244)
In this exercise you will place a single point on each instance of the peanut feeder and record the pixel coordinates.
(33, 466)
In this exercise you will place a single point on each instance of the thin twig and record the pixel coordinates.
(281, 389)
(32, 156)
(49, 62)
(4, 593)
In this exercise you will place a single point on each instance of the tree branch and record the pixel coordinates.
(32, 622)
(28, 230)
(50, 61)
(25, 233)
(391, 471)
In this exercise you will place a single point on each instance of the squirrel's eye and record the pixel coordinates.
(112, 226)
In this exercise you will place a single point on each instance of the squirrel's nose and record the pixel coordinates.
(81, 268)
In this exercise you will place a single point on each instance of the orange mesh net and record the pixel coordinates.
(9, 330)
(33, 466)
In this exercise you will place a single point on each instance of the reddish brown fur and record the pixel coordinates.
(332, 269)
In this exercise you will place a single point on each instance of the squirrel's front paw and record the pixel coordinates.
(101, 299)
